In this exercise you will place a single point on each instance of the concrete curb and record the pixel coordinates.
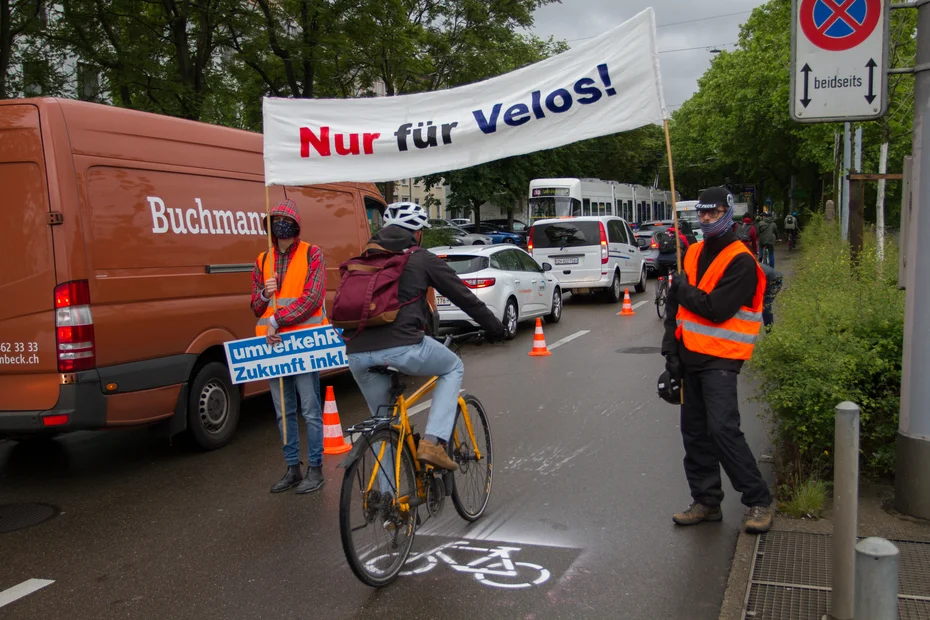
(734, 596)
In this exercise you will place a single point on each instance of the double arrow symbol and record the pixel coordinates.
(806, 70)
(871, 66)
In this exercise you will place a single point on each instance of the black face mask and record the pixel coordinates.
(284, 229)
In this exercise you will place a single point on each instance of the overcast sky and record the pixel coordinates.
(576, 19)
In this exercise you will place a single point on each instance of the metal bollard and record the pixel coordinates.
(845, 510)
(876, 580)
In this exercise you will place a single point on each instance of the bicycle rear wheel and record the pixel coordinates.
(376, 521)
(660, 299)
(471, 488)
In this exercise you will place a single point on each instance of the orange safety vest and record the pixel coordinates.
(734, 338)
(290, 291)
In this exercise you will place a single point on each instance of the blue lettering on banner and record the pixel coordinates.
(556, 102)
(301, 351)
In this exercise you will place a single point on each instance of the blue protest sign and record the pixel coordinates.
(299, 352)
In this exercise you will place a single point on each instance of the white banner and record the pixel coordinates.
(606, 85)
(302, 351)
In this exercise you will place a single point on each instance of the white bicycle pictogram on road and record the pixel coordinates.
(494, 568)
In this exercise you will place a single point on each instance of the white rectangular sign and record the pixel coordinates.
(299, 352)
(606, 85)
(839, 60)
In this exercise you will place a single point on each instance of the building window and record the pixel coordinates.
(88, 82)
(33, 73)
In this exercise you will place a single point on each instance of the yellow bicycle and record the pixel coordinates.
(385, 485)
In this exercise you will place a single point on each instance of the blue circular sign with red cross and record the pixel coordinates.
(839, 25)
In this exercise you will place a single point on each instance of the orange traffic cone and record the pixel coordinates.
(333, 441)
(627, 304)
(539, 342)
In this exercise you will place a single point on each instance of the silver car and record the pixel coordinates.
(462, 236)
(508, 280)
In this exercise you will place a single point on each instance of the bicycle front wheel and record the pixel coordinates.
(376, 519)
(660, 301)
(471, 488)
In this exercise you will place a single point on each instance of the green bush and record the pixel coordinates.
(838, 335)
(435, 237)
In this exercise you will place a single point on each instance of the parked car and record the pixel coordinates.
(590, 254)
(128, 245)
(518, 226)
(514, 286)
(460, 221)
(496, 233)
(461, 236)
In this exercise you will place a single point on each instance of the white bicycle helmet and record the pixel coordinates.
(409, 215)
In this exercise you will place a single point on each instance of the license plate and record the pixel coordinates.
(570, 260)
(442, 301)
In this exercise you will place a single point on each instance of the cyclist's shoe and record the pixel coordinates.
(760, 519)
(434, 455)
(291, 479)
(697, 513)
(312, 481)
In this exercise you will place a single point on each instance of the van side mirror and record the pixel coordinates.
(547, 267)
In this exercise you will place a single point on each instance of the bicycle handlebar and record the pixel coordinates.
(451, 339)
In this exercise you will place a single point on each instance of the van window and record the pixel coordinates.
(566, 234)
(375, 212)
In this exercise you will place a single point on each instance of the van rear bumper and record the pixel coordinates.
(83, 402)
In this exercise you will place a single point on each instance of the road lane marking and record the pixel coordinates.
(568, 339)
(640, 303)
(24, 589)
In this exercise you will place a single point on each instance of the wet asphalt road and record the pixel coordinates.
(587, 474)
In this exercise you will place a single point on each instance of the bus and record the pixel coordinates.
(566, 197)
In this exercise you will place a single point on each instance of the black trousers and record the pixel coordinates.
(712, 437)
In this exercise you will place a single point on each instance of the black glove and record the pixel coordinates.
(673, 366)
(677, 281)
(495, 335)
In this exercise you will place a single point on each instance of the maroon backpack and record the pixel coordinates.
(368, 293)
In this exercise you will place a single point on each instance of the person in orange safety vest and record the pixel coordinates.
(714, 318)
(295, 273)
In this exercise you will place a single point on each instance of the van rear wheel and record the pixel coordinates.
(615, 293)
(213, 407)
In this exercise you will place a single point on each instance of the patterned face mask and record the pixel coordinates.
(284, 229)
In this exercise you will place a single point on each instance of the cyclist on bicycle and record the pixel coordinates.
(403, 344)
(791, 228)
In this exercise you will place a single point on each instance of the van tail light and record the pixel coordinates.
(74, 327)
(480, 282)
(605, 253)
(529, 241)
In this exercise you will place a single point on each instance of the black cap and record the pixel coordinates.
(714, 197)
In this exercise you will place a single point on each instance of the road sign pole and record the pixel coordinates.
(847, 155)
(912, 485)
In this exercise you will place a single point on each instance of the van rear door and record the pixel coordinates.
(28, 359)
(573, 247)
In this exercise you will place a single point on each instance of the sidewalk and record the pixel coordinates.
(786, 573)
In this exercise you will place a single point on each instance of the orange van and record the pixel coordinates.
(127, 242)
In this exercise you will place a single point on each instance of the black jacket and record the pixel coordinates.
(423, 270)
(735, 289)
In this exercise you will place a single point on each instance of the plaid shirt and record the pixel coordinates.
(314, 289)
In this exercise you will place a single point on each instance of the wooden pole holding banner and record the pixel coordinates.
(671, 181)
(274, 302)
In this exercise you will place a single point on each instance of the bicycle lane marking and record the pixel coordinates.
(24, 589)
(567, 339)
(640, 303)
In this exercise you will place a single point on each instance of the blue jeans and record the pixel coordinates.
(419, 360)
(308, 387)
(771, 249)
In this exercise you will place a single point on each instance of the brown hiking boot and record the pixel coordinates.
(697, 513)
(430, 453)
(760, 519)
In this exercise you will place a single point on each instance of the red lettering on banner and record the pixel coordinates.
(323, 147)
(321, 144)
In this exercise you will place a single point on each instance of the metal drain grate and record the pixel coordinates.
(791, 574)
(19, 516)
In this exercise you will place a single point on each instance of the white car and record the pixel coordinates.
(507, 279)
(588, 254)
